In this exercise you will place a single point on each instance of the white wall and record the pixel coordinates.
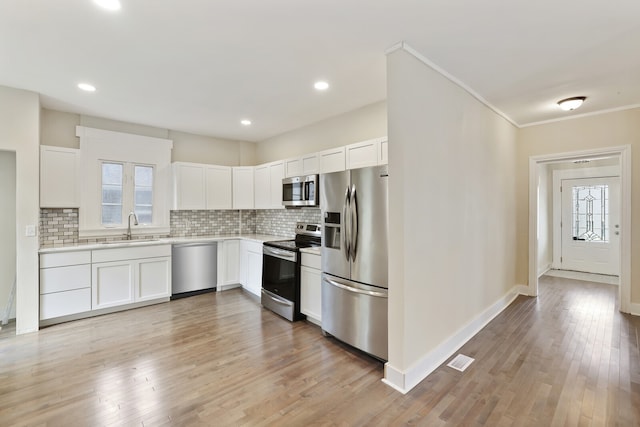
(359, 125)
(20, 132)
(59, 128)
(7, 227)
(452, 209)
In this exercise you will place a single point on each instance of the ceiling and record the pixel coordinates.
(201, 66)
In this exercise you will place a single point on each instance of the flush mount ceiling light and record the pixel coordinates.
(108, 4)
(245, 122)
(321, 85)
(86, 87)
(571, 103)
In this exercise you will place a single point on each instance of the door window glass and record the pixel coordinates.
(591, 213)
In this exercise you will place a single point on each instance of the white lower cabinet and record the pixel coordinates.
(78, 282)
(112, 284)
(251, 266)
(228, 264)
(153, 279)
(130, 275)
(310, 288)
(65, 284)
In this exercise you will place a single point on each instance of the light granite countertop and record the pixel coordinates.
(261, 238)
(314, 250)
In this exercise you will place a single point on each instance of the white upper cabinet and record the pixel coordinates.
(59, 177)
(268, 185)
(332, 160)
(366, 153)
(243, 187)
(189, 186)
(276, 174)
(218, 187)
(383, 157)
(262, 187)
(293, 167)
(309, 164)
(200, 186)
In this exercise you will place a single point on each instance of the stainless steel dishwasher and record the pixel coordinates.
(194, 268)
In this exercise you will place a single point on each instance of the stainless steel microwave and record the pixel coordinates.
(301, 191)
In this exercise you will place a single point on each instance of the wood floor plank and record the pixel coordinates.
(567, 357)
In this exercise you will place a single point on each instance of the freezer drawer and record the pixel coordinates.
(356, 314)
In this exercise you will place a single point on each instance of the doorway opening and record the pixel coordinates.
(7, 241)
(580, 216)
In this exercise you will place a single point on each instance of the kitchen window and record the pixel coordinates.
(121, 183)
(123, 173)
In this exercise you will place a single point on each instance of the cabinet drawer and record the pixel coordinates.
(60, 279)
(64, 303)
(311, 260)
(65, 258)
(122, 254)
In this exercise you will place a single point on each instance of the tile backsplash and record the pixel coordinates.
(59, 226)
(282, 222)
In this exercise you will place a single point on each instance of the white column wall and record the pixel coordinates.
(19, 132)
(7, 227)
(452, 205)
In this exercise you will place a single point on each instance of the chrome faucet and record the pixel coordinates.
(135, 222)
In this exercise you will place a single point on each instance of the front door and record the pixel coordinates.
(590, 225)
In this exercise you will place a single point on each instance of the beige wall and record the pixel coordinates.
(452, 209)
(20, 132)
(59, 129)
(359, 125)
(605, 130)
(7, 227)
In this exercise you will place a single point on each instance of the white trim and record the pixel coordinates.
(404, 46)
(579, 116)
(634, 309)
(624, 152)
(405, 381)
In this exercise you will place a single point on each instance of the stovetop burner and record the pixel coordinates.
(307, 236)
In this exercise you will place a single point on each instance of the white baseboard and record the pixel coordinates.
(404, 381)
(634, 309)
(543, 270)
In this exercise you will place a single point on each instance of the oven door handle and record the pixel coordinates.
(276, 298)
(279, 253)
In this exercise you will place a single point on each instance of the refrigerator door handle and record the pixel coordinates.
(346, 231)
(356, 290)
(354, 223)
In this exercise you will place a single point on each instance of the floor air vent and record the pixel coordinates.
(461, 362)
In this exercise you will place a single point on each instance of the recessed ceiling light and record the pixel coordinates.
(321, 85)
(571, 103)
(109, 4)
(87, 87)
(245, 122)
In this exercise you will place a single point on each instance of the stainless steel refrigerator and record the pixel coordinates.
(354, 257)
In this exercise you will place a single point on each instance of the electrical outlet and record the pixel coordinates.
(30, 231)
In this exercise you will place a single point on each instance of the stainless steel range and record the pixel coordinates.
(281, 271)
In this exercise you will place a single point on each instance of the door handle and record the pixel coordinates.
(356, 290)
(345, 224)
(354, 223)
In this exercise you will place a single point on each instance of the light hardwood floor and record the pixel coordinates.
(566, 358)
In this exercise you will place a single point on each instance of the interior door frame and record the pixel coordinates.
(558, 177)
(624, 154)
